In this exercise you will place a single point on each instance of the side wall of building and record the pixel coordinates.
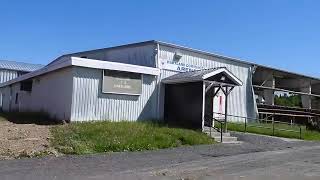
(51, 93)
(241, 101)
(5, 98)
(89, 103)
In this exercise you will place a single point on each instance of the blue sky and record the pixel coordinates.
(279, 33)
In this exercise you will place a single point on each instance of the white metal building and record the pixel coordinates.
(12, 69)
(120, 83)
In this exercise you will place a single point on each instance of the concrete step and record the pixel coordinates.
(215, 133)
(226, 139)
(208, 129)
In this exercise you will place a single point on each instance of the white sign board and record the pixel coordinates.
(174, 65)
(118, 82)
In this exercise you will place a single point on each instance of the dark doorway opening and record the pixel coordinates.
(183, 105)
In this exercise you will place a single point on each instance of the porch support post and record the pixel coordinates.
(226, 110)
(203, 103)
(226, 93)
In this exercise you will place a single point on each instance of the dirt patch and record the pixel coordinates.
(24, 140)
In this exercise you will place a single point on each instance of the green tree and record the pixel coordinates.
(288, 100)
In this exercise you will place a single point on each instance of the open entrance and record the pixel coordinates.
(196, 99)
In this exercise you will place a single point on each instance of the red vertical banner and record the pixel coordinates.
(219, 105)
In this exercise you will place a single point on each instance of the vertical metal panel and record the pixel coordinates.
(5, 93)
(240, 98)
(89, 103)
(7, 75)
(51, 93)
(143, 55)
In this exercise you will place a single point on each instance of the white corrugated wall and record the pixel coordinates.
(51, 93)
(240, 100)
(7, 75)
(89, 103)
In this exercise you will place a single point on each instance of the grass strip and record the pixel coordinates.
(281, 130)
(105, 136)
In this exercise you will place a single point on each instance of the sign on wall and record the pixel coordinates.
(120, 82)
(178, 66)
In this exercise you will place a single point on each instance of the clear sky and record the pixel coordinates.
(279, 33)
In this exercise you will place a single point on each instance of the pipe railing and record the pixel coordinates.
(247, 124)
(219, 130)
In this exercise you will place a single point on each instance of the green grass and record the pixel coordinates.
(267, 130)
(97, 137)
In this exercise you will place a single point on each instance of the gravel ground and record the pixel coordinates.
(23, 140)
(269, 143)
(70, 167)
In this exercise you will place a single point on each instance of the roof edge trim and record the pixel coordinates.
(88, 63)
(99, 64)
(224, 70)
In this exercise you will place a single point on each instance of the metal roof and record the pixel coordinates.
(200, 75)
(19, 66)
(236, 60)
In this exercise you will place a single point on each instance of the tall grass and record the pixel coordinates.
(96, 137)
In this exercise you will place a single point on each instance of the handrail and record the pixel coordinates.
(266, 120)
(220, 122)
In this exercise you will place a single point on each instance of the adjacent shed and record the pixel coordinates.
(12, 69)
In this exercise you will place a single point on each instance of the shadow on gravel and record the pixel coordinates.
(38, 118)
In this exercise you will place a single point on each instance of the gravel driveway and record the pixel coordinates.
(99, 165)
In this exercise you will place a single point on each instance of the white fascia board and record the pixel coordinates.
(213, 73)
(233, 77)
(88, 63)
(99, 64)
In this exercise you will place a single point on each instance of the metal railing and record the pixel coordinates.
(273, 122)
(212, 119)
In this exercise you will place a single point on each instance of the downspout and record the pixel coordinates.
(252, 71)
(158, 81)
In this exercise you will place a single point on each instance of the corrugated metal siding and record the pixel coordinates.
(89, 103)
(240, 101)
(19, 66)
(7, 75)
(143, 55)
(51, 93)
(5, 94)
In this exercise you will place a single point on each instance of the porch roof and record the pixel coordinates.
(202, 75)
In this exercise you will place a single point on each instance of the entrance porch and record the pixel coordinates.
(190, 98)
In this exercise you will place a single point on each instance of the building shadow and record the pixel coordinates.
(38, 118)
